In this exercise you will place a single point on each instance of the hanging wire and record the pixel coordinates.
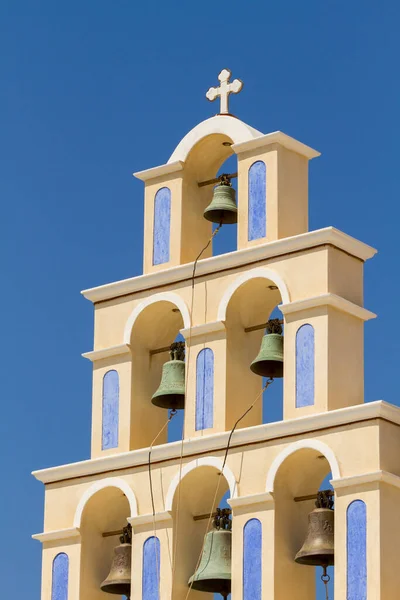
(171, 416)
(216, 230)
(325, 579)
(267, 384)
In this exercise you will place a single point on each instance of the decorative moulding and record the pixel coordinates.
(149, 519)
(107, 352)
(231, 260)
(251, 501)
(160, 171)
(218, 441)
(277, 137)
(58, 535)
(328, 300)
(204, 329)
(365, 479)
(233, 128)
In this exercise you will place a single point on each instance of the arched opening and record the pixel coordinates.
(299, 476)
(154, 329)
(199, 493)
(248, 309)
(105, 511)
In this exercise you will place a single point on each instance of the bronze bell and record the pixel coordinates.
(171, 393)
(214, 571)
(222, 208)
(318, 548)
(269, 362)
(119, 578)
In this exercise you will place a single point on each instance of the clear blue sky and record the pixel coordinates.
(92, 91)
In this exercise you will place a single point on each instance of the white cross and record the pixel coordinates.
(224, 90)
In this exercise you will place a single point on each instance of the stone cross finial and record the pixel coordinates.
(224, 90)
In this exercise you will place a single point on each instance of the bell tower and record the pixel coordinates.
(142, 517)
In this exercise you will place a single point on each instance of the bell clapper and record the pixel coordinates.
(325, 579)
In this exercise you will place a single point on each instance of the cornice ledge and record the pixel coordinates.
(365, 479)
(264, 498)
(58, 535)
(149, 519)
(119, 350)
(160, 171)
(205, 329)
(328, 300)
(277, 137)
(232, 260)
(217, 442)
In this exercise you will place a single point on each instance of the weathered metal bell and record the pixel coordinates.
(269, 362)
(119, 577)
(214, 571)
(171, 393)
(222, 208)
(318, 548)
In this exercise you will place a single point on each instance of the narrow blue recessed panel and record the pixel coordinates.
(151, 569)
(162, 226)
(110, 410)
(305, 352)
(257, 222)
(59, 584)
(357, 551)
(252, 552)
(205, 389)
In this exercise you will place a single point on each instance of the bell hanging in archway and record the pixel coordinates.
(119, 578)
(214, 571)
(318, 548)
(171, 393)
(269, 362)
(222, 208)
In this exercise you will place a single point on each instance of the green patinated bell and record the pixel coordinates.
(214, 572)
(318, 547)
(269, 362)
(171, 393)
(222, 208)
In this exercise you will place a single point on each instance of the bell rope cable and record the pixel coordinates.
(267, 384)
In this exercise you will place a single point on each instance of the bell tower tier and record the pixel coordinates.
(229, 508)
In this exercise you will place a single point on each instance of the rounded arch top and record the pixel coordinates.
(233, 128)
(115, 482)
(259, 272)
(161, 297)
(208, 461)
(320, 447)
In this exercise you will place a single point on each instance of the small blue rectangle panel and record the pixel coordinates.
(204, 389)
(252, 552)
(110, 412)
(162, 226)
(305, 352)
(357, 551)
(257, 217)
(59, 584)
(151, 569)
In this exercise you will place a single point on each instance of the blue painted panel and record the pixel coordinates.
(357, 551)
(110, 410)
(305, 352)
(257, 222)
(162, 226)
(252, 553)
(59, 585)
(205, 389)
(151, 569)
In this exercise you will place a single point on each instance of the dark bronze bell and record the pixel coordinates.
(214, 571)
(119, 578)
(269, 362)
(222, 208)
(318, 548)
(171, 393)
